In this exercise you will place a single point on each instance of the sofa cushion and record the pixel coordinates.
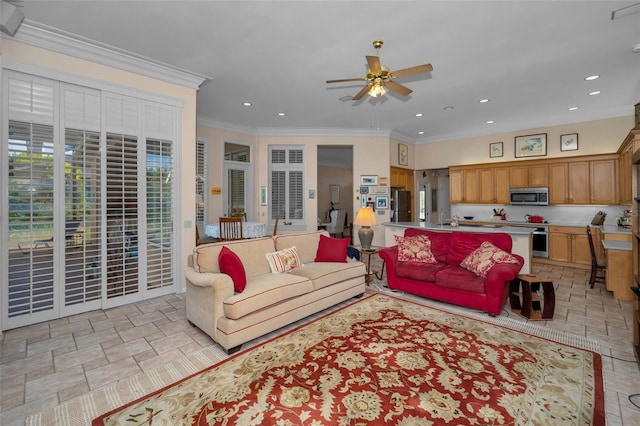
(264, 291)
(419, 271)
(439, 241)
(457, 278)
(250, 251)
(414, 249)
(231, 265)
(482, 259)
(324, 274)
(463, 243)
(306, 243)
(283, 260)
(332, 249)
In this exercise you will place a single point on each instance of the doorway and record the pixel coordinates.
(335, 182)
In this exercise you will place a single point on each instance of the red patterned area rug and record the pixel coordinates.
(385, 360)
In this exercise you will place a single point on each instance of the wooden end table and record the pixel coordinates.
(532, 297)
(370, 253)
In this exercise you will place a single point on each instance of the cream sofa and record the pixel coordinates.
(269, 301)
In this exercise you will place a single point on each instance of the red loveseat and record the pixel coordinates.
(446, 280)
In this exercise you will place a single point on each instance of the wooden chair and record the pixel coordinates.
(230, 228)
(275, 227)
(596, 265)
(242, 215)
(203, 239)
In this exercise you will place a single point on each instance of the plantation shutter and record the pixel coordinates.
(201, 180)
(121, 193)
(160, 203)
(83, 204)
(287, 183)
(29, 295)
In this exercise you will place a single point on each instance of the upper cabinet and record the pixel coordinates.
(529, 175)
(630, 145)
(578, 180)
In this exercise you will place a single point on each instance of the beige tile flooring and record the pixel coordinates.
(46, 364)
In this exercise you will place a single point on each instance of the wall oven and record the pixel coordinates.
(540, 243)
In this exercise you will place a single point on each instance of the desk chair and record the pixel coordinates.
(596, 265)
(230, 228)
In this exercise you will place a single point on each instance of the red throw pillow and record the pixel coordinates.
(230, 264)
(332, 249)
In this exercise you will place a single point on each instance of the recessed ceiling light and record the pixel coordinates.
(483, 101)
(490, 122)
(419, 114)
(448, 108)
(246, 103)
(421, 132)
(592, 77)
(595, 92)
(572, 108)
(281, 114)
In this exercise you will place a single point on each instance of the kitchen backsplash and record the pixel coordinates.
(552, 214)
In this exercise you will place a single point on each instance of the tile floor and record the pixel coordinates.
(46, 364)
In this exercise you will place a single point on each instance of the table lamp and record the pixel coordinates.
(366, 218)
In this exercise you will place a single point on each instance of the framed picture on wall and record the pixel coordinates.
(569, 142)
(495, 149)
(531, 145)
(368, 180)
(382, 203)
(403, 154)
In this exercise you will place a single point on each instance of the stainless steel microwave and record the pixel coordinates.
(529, 196)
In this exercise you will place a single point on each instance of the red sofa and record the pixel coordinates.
(446, 280)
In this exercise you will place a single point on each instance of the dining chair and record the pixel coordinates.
(230, 228)
(338, 218)
(596, 265)
(275, 227)
(202, 238)
(242, 215)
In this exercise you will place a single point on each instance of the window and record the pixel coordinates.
(286, 180)
(238, 175)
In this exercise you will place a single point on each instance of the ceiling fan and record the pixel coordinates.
(379, 77)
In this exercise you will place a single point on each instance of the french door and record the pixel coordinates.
(90, 212)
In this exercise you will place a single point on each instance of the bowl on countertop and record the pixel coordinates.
(468, 217)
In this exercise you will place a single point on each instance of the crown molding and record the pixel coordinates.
(204, 121)
(46, 37)
(322, 132)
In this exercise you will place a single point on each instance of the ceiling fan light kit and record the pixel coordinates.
(380, 78)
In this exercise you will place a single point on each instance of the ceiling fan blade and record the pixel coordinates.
(361, 93)
(396, 87)
(345, 80)
(413, 70)
(374, 64)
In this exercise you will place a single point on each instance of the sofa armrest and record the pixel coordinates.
(390, 256)
(206, 293)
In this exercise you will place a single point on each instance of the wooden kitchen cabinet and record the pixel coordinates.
(558, 183)
(529, 176)
(579, 183)
(502, 185)
(602, 182)
(471, 185)
(455, 186)
(569, 244)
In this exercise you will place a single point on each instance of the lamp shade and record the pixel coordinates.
(365, 217)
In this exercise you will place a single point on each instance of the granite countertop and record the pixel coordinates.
(615, 229)
(499, 226)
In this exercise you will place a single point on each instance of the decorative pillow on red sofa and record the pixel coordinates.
(439, 241)
(230, 264)
(415, 249)
(484, 257)
(332, 249)
(463, 243)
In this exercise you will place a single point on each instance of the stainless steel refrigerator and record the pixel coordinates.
(400, 205)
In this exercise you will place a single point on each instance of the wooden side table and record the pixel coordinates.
(532, 297)
(370, 253)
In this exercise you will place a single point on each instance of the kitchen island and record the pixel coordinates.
(520, 235)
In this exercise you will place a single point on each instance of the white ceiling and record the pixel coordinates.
(529, 58)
